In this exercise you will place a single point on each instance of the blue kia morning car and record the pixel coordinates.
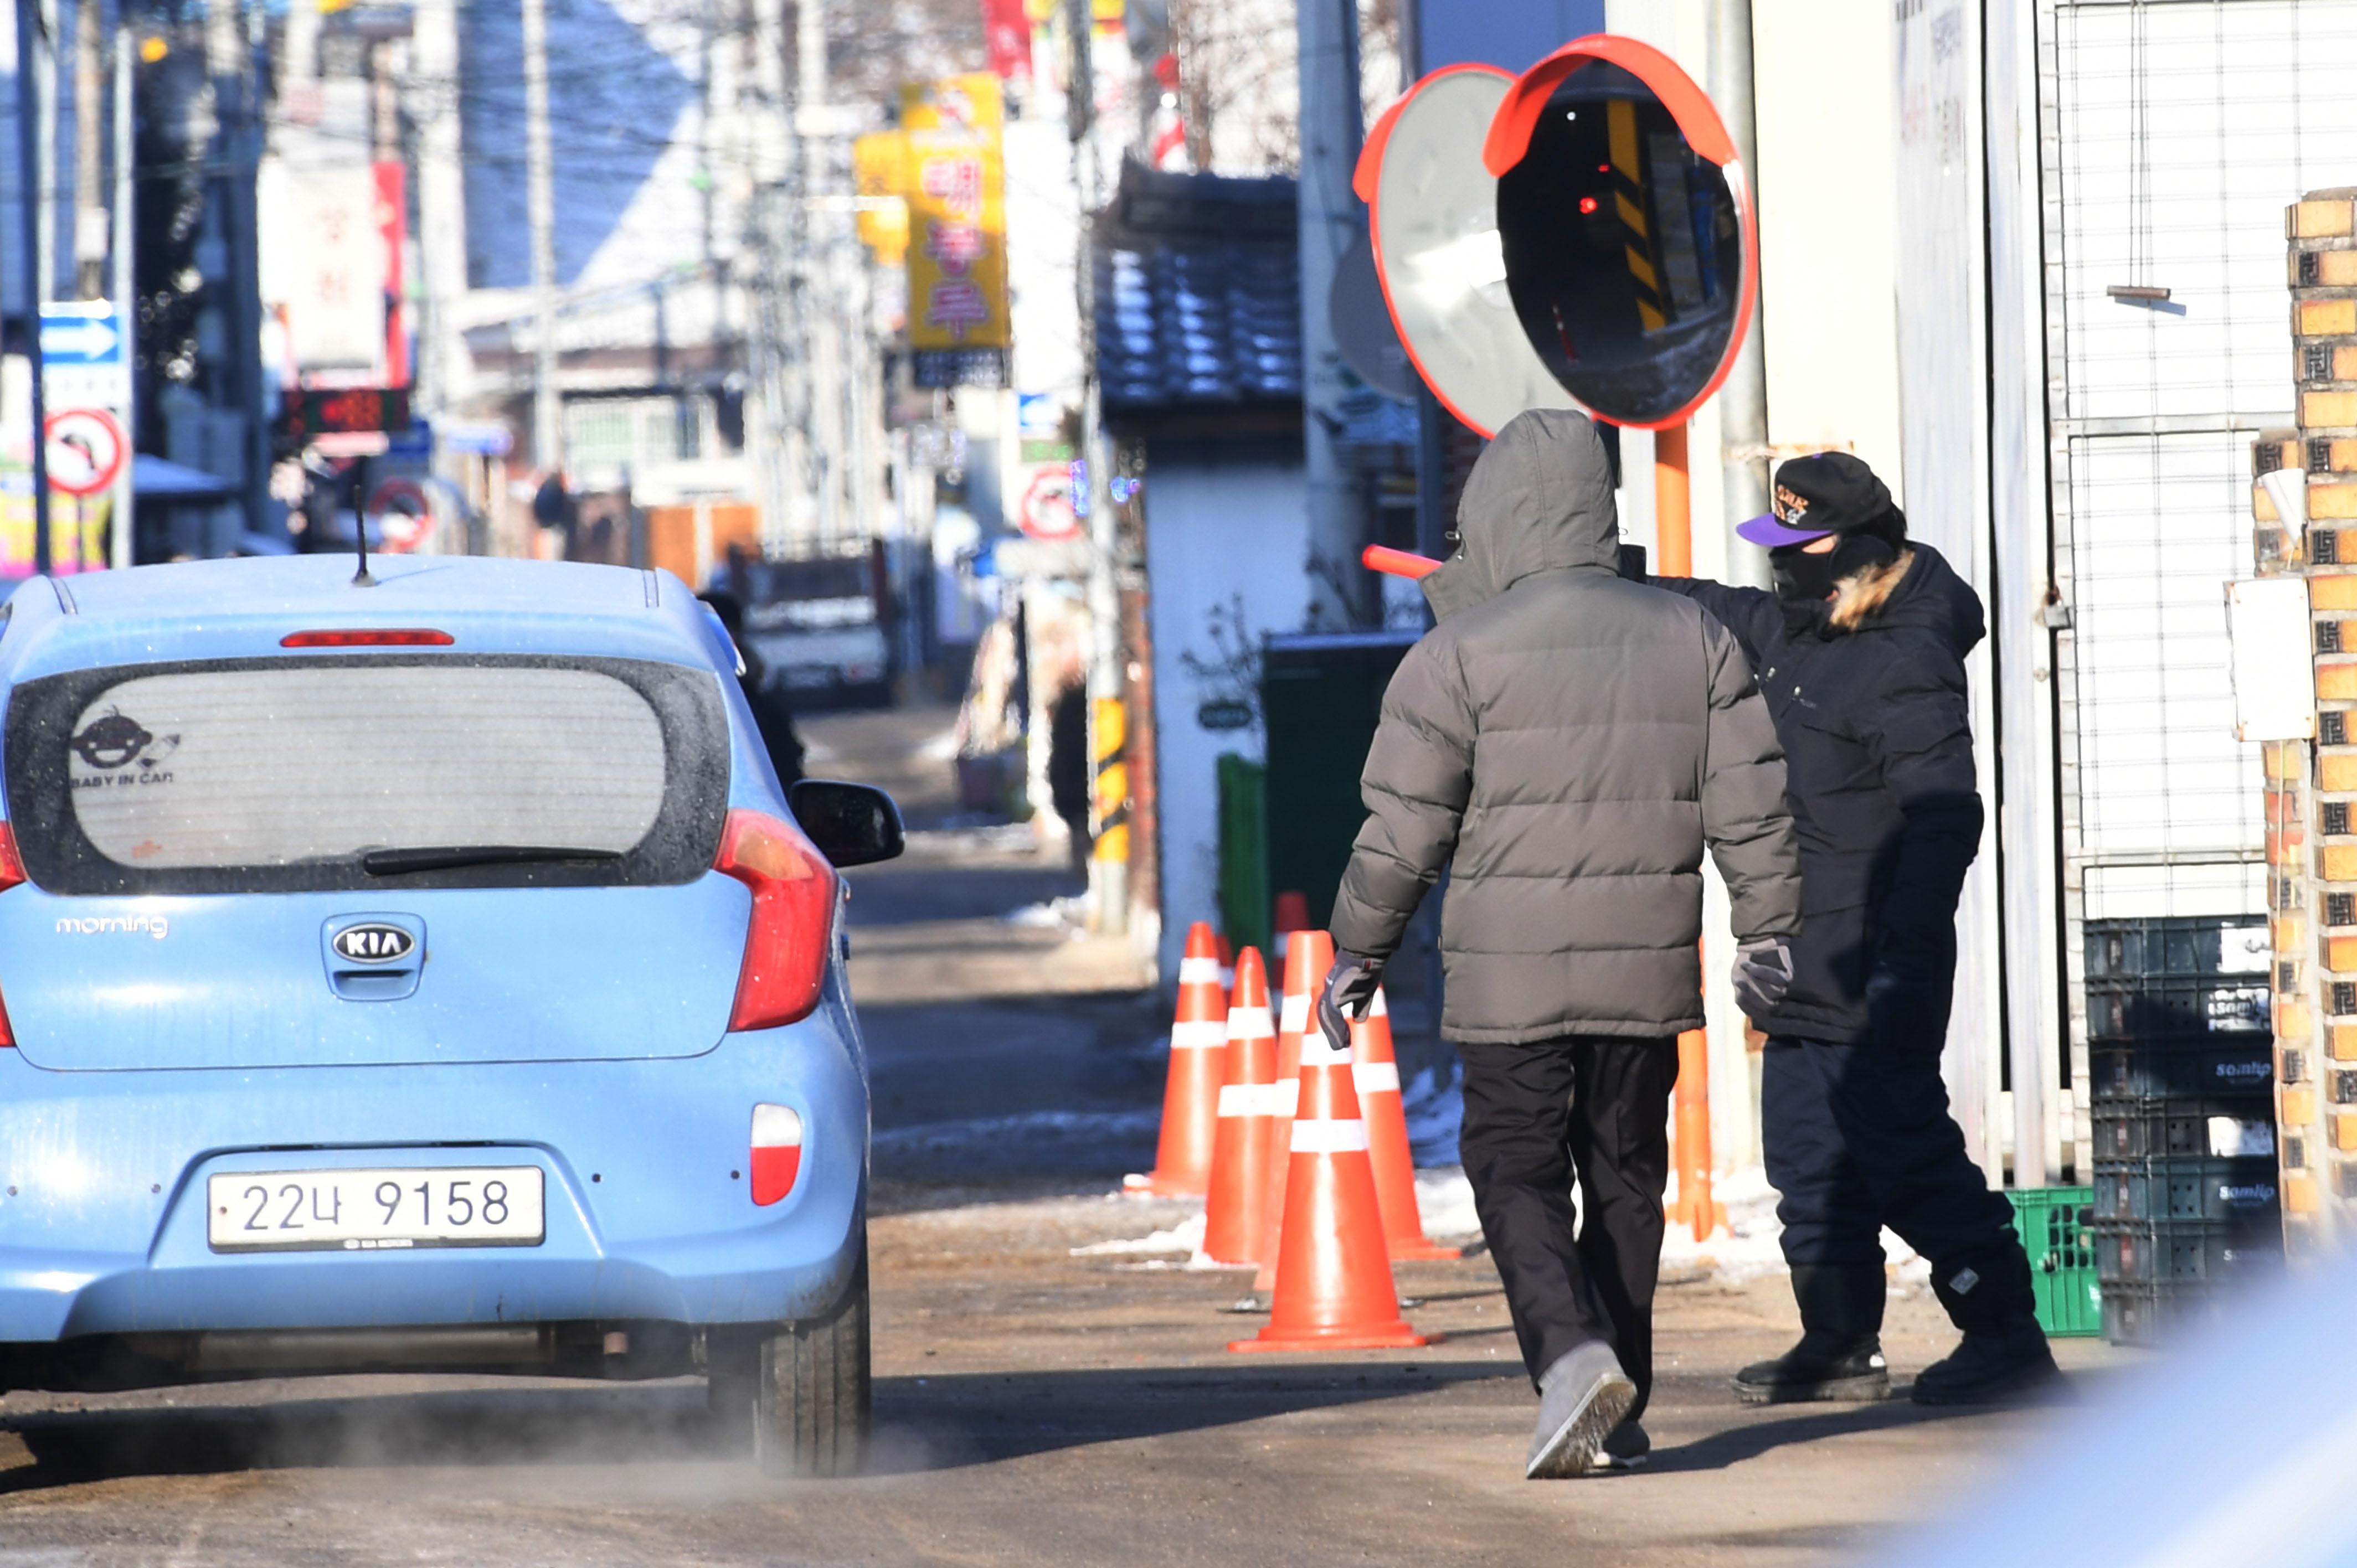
(426, 973)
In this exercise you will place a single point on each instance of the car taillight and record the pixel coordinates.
(793, 913)
(12, 872)
(776, 1151)
(400, 636)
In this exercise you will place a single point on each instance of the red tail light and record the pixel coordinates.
(411, 637)
(776, 1151)
(12, 872)
(793, 915)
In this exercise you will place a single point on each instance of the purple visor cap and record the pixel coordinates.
(1770, 534)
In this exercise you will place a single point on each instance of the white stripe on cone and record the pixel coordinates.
(1251, 1022)
(1198, 1034)
(1318, 1051)
(1288, 1096)
(1379, 1008)
(1296, 1014)
(1249, 1100)
(1329, 1138)
(1375, 1078)
(1197, 971)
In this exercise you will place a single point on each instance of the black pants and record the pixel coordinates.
(1537, 1116)
(1857, 1138)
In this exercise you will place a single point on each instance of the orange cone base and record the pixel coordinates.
(1424, 1252)
(1159, 1185)
(1396, 1335)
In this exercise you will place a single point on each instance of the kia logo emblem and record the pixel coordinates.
(373, 943)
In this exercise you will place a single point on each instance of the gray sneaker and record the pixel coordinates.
(1582, 1398)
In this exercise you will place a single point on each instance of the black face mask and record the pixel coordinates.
(1806, 579)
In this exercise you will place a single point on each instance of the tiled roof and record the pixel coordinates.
(1199, 293)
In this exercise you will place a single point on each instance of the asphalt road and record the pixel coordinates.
(1036, 1405)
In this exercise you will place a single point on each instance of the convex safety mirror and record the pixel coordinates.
(1432, 216)
(1600, 249)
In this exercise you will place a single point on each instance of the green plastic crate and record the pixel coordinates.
(2056, 1231)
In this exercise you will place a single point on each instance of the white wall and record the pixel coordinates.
(1827, 125)
(1217, 530)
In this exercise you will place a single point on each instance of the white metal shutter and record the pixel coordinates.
(2181, 130)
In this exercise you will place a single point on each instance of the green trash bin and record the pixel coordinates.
(2056, 1227)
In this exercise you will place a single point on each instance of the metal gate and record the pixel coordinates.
(2177, 132)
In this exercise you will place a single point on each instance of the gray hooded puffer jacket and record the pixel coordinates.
(1565, 741)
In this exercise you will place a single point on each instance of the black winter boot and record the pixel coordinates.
(2004, 1353)
(1840, 1353)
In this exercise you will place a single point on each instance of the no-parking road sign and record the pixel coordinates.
(86, 450)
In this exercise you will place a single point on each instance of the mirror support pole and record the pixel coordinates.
(1674, 539)
(1743, 400)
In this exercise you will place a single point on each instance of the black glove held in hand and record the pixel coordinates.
(1764, 973)
(1349, 986)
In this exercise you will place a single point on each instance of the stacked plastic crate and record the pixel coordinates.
(2182, 1070)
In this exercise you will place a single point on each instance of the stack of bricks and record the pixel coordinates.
(2311, 787)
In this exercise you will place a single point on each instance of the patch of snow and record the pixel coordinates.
(1746, 1247)
(1186, 1237)
(819, 751)
(1444, 1200)
(1058, 914)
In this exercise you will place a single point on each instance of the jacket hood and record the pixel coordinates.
(1919, 589)
(1539, 499)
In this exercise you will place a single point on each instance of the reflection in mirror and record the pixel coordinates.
(852, 824)
(1624, 249)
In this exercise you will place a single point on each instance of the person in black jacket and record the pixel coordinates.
(773, 716)
(1861, 653)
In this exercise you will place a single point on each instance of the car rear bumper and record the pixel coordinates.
(649, 1209)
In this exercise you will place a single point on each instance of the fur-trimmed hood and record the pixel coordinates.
(1919, 588)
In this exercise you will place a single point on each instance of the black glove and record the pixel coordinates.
(1905, 1011)
(1349, 986)
(1764, 973)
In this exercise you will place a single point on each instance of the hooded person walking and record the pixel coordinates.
(1564, 743)
(1860, 650)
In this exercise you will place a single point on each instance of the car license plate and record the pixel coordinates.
(373, 1211)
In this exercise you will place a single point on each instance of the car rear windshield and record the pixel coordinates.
(343, 772)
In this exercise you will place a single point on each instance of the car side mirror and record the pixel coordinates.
(852, 824)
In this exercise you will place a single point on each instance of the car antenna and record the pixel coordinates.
(360, 579)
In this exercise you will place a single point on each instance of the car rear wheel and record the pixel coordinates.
(799, 1392)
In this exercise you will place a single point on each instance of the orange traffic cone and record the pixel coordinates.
(1306, 960)
(1227, 963)
(1333, 1273)
(1232, 1231)
(1376, 1072)
(1190, 1096)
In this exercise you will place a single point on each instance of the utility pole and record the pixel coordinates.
(31, 113)
(1108, 724)
(540, 206)
(441, 202)
(1331, 129)
(90, 107)
(1743, 400)
(230, 52)
(816, 258)
(123, 537)
(778, 364)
